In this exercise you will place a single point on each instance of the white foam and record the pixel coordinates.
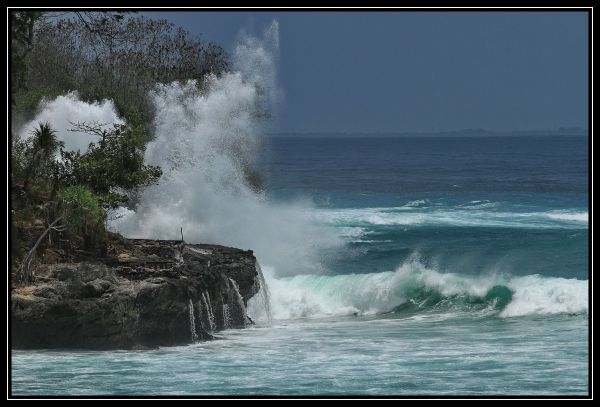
(473, 216)
(479, 205)
(538, 295)
(416, 203)
(370, 216)
(316, 296)
(352, 232)
(573, 216)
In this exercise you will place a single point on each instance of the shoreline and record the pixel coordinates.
(145, 294)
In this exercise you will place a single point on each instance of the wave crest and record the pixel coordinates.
(415, 288)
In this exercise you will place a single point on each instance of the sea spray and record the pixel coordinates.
(65, 110)
(539, 295)
(207, 137)
(192, 322)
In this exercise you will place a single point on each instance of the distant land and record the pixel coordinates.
(561, 131)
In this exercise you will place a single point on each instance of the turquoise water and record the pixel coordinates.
(417, 354)
(462, 269)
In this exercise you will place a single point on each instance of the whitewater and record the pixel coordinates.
(391, 269)
(420, 290)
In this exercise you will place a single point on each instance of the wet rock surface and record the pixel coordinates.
(142, 294)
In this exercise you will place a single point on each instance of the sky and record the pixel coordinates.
(418, 71)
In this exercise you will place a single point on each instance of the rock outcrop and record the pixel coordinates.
(146, 293)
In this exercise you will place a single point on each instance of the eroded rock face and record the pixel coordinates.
(137, 297)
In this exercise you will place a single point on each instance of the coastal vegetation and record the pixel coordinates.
(60, 198)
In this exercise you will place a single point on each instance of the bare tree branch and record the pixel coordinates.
(94, 128)
(24, 272)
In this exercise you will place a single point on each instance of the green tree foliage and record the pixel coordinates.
(82, 207)
(45, 141)
(80, 187)
(82, 212)
(114, 163)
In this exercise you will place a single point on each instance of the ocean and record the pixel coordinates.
(460, 267)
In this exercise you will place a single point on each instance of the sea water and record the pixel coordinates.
(462, 270)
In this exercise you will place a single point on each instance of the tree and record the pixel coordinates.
(44, 145)
(111, 167)
(45, 141)
(24, 273)
(118, 57)
(22, 29)
(101, 55)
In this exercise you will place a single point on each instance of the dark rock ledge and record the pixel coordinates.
(137, 297)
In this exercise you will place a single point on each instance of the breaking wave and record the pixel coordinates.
(412, 287)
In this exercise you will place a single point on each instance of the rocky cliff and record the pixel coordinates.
(146, 293)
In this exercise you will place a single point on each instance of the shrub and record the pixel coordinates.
(82, 211)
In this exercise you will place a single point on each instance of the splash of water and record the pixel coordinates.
(207, 136)
(259, 306)
(67, 109)
(192, 322)
(234, 292)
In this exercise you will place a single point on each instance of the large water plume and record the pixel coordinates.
(207, 135)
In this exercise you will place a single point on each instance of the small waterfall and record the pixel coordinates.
(226, 317)
(209, 313)
(192, 322)
(201, 315)
(264, 294)
(239, 300)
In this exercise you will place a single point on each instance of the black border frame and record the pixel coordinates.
(576, 6)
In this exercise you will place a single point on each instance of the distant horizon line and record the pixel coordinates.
(561, 131)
